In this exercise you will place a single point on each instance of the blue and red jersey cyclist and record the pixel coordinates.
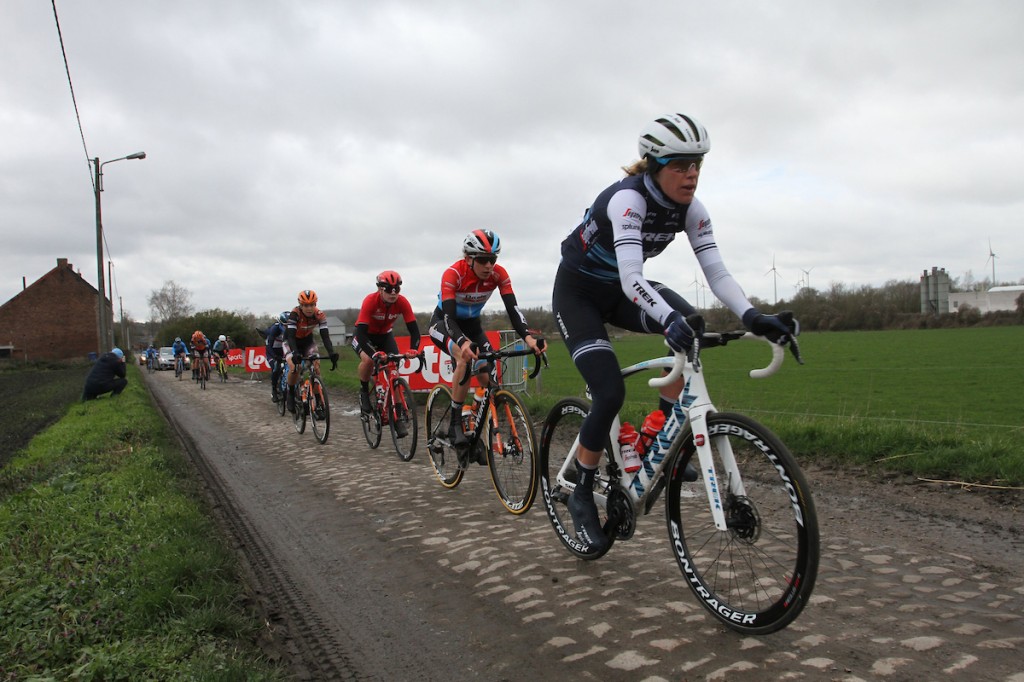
(455, 325)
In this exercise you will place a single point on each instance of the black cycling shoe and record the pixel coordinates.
(457, 436)
(587, 524)
(364, 402)
(401, 430)
(291, 402)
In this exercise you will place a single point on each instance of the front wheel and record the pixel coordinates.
(319, 410)
(282, 395)
(512, 455)
(559, 441)
(443, 457)
(402, 420)
(372, 424)
(222, 370)
(757, 575)
(299, 418)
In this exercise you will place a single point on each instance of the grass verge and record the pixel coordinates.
(110, 566)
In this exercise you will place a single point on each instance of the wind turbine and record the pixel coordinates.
(992, 257)
(776, 278)
(807, 276)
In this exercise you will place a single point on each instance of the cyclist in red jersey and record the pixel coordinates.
(455, 326)
(299, 341)
(377, 317)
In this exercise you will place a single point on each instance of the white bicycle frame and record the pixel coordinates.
(694, 404)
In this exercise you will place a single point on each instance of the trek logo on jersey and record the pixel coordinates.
(641, 293)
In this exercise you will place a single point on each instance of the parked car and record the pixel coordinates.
(166, 357)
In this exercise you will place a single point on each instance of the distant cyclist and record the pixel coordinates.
(373, 332)
(455, 326)
(152, 357)
(180, 350)
(275, 352)
(220, 347)
(299, 342)
(200, 352)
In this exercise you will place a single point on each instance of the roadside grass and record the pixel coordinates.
(938, 403)
(110, 566)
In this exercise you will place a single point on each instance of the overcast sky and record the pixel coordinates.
(311, 144)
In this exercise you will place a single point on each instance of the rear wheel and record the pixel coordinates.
(442, 455)
(757, 575)
(559, 441)
(403, 419)
(319, 410)
(512, 455)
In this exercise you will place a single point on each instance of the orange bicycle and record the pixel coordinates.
(394, 405)
(311, 399)
(499, 430)
(202, 369)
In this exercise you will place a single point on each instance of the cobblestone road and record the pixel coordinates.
(901, 594)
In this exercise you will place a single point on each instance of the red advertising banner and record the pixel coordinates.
(234, 358)
(255, 359)
(437, 366)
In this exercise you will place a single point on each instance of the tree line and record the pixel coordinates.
(895, 305)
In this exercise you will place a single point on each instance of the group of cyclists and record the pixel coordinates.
(198, 348)
(598, 281)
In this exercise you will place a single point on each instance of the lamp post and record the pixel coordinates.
(102, 304)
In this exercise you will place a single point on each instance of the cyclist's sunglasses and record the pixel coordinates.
(686, 163)
(487, 260)
(391, 289)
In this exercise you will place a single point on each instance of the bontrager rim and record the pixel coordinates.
(740, 521)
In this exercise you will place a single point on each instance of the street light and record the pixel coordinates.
(104, 337)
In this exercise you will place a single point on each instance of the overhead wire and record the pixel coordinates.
(81, 131)
(71, 86)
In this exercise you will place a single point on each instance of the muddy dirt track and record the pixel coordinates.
(369, 570)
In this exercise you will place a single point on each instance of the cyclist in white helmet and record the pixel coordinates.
(600, 280)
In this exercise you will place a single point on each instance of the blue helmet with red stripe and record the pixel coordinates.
(481, 243)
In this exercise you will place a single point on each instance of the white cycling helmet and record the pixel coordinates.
(673, 135)
(222, 338)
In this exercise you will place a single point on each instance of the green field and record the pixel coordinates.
(942, 403)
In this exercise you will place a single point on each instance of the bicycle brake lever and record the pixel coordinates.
(794, 348)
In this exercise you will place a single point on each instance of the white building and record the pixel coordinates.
(996, 298)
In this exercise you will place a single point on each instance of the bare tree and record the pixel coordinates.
(170, 302)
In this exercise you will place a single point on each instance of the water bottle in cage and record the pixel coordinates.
(627, 447)
(649, 431)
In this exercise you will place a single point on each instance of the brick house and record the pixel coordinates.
(54, 318)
